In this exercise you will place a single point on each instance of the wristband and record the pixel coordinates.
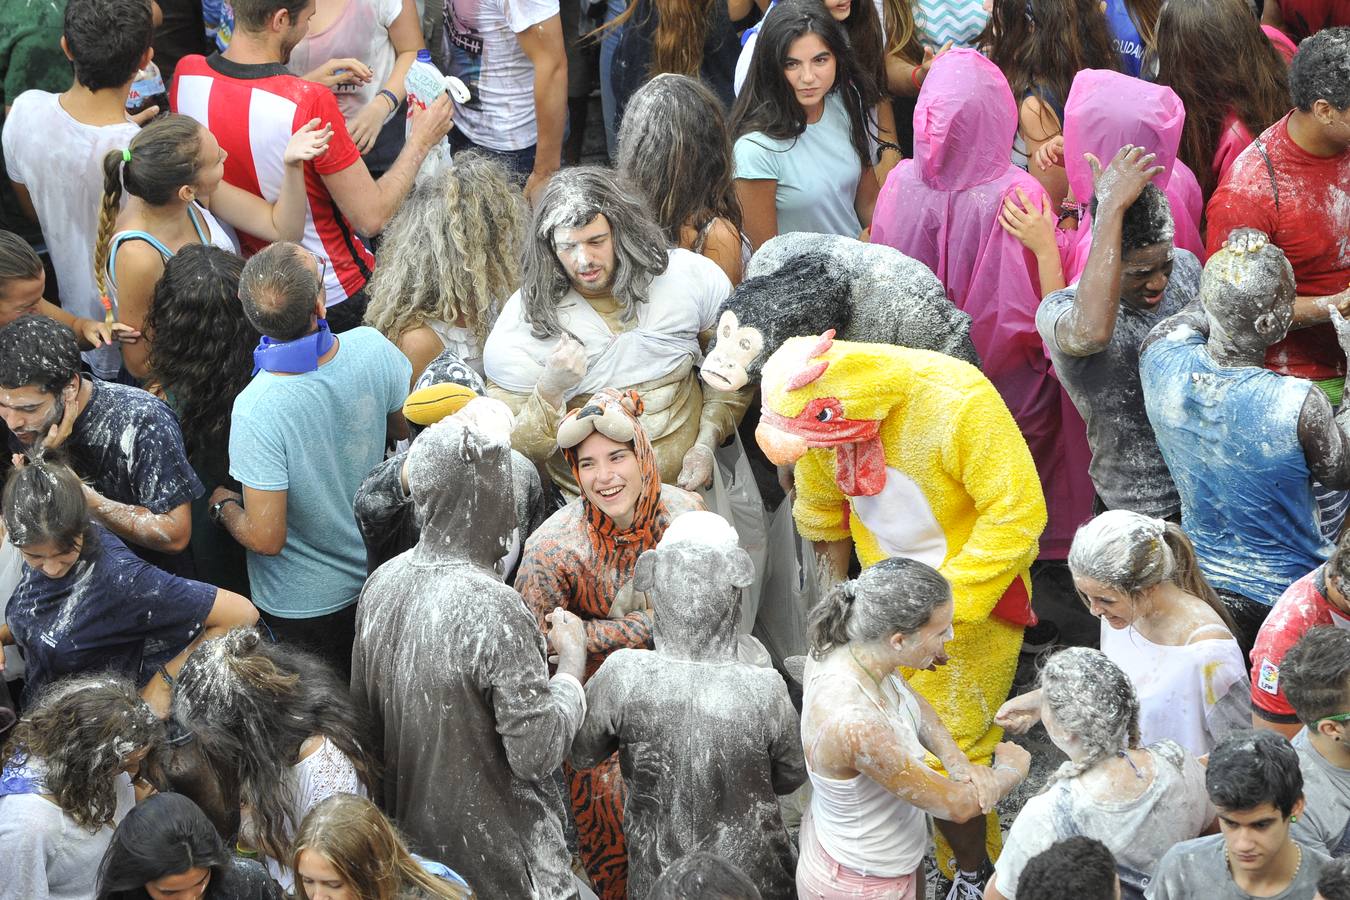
(914, 78)
(393, 100)
(214, 513)
(1010, 769)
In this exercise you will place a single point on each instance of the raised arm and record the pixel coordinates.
(285, 219)
(1087, 327)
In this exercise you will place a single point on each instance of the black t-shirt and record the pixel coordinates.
(127, 445)
(111, 612)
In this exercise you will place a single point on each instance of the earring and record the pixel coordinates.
(1293, 819)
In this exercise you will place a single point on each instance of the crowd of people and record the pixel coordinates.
(398, 505)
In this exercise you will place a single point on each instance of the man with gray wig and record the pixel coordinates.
(303, 434)
(605, 303)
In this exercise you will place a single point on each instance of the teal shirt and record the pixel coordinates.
(316, 436)
(817, 173)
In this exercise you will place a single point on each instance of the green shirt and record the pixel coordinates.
(30, 57)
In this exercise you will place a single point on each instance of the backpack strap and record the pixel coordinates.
(1270, 170)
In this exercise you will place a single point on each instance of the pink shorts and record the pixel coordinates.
(819, 877)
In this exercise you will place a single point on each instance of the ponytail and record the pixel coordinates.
(107, 217)
(1186, 573)
(895, 596)
(161, 158)
(827, 622)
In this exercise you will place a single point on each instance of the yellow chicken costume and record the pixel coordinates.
(914, 453)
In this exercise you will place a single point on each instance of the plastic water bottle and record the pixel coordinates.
(147, 89)
(424, 84)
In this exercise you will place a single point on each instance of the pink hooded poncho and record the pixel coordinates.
(1104, 112)
(942, 208)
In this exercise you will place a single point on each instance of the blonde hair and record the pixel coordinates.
(363, 847)
(899, 33)
(452, 253)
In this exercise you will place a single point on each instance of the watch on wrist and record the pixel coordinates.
(217, 508)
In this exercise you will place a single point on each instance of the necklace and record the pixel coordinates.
(868, 671)
(1298, 863)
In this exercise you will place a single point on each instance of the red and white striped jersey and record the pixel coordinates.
(253, 110)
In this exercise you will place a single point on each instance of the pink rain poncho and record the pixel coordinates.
(942, 208)
(1107, 110)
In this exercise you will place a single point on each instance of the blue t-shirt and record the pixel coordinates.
(316, 436)
(1125, 37)
(817, 173)
(1230, 439)
(112, 611)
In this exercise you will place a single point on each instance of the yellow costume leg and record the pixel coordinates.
(966, 693)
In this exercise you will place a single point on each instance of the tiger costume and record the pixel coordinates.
(581, 561)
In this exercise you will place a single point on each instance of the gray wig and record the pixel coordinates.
(571, 200)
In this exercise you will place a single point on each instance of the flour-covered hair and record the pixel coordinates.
(572, 199)
(895, 596)
(1092, 701)
(1131, 553)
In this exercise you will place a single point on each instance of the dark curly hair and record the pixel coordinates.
(83, 730)
(201, 346)
(252, 704)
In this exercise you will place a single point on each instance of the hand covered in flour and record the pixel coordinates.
(567, 639)
(1019, 714)
(1121, 182)
(1246, 240)
(628, 600)
(987, 789)
(697, 470)
(564, 370)
(1008, 755)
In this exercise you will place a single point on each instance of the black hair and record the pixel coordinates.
(1315, 674)
(38, 351)
(1249, 768)
(703, 876)
(1076, 868)
(18, 260)
(767, 103)
(1321, 70)
(1334, 882)
(202, 347)
(166, 834)
(1147, 221)
(107, 39)
(278, 291)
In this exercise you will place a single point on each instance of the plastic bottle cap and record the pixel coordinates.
(424, 55)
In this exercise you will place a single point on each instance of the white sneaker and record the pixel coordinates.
(970, 886)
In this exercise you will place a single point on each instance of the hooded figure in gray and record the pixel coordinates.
(451, 667)
(705, 742)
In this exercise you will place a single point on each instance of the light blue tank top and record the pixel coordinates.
(1230, 438)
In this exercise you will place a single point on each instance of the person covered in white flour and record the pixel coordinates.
(1139, 801)
(865, 732)
(451, 665)
(605, 304)
(1163, 625)
(667, 713)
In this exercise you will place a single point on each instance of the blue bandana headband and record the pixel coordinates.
(300, 355)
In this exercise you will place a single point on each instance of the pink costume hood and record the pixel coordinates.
(942, 208)
(964, 123)
(1104, 112)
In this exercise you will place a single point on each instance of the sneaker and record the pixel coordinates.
(966, 887)
(1041, 636)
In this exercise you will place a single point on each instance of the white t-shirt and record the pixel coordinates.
(361, 31)
(1173, 808)
(1195, 694)
(60, 161)
(480, 41)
